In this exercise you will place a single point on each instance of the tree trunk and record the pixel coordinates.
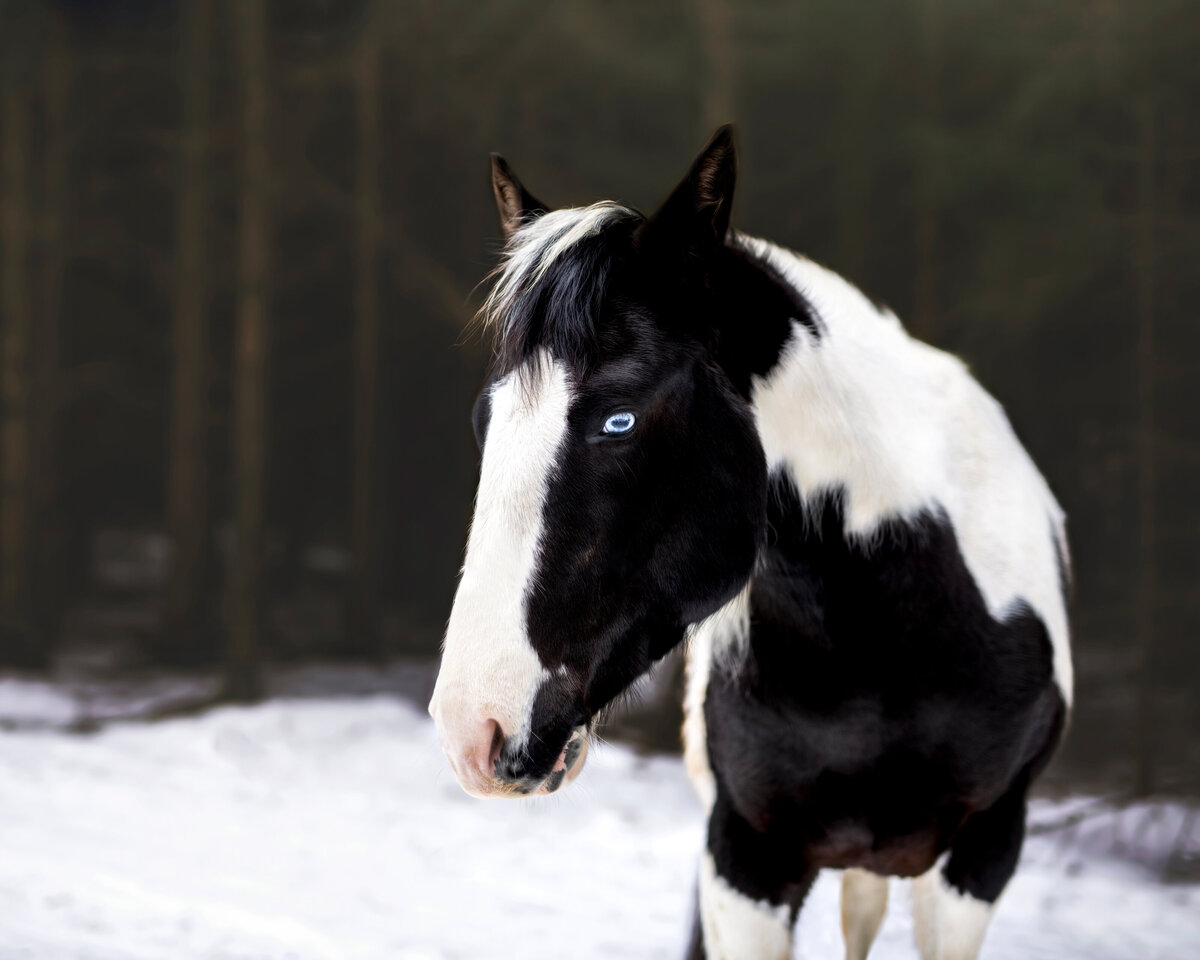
(855, 141)
(1145, 262)
(363, 625)
(926, 318)
(718, 93)
(47, 547)
(243, 679)
(187, 634)
(16, 325)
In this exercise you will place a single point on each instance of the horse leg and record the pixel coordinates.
(748, 899)
(695, 949)
(864, 901)
(953, 902)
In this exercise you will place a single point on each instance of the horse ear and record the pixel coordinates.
(695, 217)
(517, 205)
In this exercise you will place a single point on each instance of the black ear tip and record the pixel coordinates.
(720, 152)
(722, 137)
(498, 162)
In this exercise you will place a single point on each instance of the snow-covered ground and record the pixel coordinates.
(313, 828)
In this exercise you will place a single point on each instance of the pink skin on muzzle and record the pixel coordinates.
(473, 748)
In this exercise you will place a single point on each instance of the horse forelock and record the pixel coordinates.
(548, 289)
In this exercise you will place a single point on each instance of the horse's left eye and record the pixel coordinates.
(619, 423)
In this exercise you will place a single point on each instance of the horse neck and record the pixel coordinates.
(859, 407)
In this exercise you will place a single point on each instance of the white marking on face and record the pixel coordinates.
(489, 668)
(904, 427)
(947, 924)
(736, 927)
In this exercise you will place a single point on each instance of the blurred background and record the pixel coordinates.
(240, 243)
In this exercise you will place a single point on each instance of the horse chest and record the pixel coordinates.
(876, 703)
(863, 782)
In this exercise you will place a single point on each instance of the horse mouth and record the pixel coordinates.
(568, 765)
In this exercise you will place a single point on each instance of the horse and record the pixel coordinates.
(693, 436)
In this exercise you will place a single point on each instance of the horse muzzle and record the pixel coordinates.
(487, 764)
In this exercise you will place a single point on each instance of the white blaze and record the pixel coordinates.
(489, 668)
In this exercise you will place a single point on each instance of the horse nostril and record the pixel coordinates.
(496, 745)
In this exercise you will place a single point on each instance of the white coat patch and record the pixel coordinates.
(722, 631)
(736, 927)
(947, 924)
(903, 427)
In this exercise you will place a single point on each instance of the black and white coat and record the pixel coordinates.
(867, 567)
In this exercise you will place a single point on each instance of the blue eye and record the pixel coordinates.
(619, 423)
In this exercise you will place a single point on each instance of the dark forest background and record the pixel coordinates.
(239, 241)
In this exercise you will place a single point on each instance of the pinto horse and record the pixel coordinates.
(690, 434)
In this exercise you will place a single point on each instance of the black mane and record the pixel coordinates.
(550, 290)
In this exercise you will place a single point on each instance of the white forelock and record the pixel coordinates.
(535, 247)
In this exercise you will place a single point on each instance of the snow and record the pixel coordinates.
(311, 828)
(82, 704)
(34, 703)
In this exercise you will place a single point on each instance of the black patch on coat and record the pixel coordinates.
(985, 852)
(879, 707)
(761, 307)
